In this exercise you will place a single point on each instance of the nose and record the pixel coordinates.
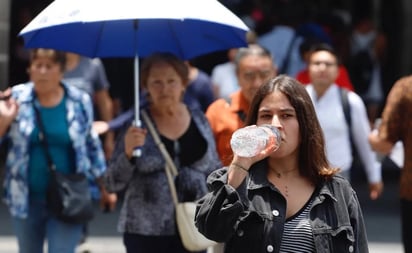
(43, 69)
(276, 121)
(323, 66)
(258, 81)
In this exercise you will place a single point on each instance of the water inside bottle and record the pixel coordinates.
(250, 141)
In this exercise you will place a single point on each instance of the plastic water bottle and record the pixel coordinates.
(251, 140)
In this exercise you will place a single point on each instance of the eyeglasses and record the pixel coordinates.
(263, 75)
(327, 64)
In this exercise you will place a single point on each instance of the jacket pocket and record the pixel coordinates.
(248, 236)
(341, 239)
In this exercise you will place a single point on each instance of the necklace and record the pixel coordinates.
(285, 184)
(286, 191)
(279, 175)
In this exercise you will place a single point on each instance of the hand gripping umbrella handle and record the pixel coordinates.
(137, 151)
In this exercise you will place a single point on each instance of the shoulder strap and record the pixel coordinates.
(346, 111)
(43, 139)
(170, 167)
(346, 106)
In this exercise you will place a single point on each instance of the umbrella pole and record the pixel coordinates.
(137, 152)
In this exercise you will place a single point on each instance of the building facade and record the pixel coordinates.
(393, 17)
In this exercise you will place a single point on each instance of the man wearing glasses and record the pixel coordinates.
(254, 66)
(328, 100)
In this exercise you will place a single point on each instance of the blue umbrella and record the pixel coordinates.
(136, 28)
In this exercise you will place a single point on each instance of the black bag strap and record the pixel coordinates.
(346, 106)
(346, 112)
(43, 139)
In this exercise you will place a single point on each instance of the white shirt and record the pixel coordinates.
(224, 77)
(335, 129)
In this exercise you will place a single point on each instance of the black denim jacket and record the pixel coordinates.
(251, 218)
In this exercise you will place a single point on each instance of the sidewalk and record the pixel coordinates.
(96, 244)
(381, 218)
(114, 245)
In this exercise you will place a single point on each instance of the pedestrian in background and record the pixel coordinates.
(89, 75)
(254, 66)
(365, 63)
(339, 134)
(67, 114)
(396, 126)
(289, 200)
(342, 80)
(147, 218)
(224, 76)
(199, 91)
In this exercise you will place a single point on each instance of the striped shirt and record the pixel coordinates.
(297, 234)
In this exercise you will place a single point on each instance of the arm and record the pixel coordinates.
(379, 144)
(8, 111)
(103, 102)
(121, 167)
(393, 116)
(96, 157)
(105, 107)
(218, 212)
(360, 132)
(358, 224)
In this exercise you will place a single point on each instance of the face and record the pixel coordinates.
(323, 69)
(45, 73)
(164, 85)
(252, 72)
(275, 109)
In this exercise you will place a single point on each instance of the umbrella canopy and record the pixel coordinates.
(127, 28)
(135, 28)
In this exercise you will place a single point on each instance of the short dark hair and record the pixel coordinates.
(324, 47)
(312, 157)
(56, 56)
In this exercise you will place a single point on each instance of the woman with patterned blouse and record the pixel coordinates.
(67, 115)
(147, 218)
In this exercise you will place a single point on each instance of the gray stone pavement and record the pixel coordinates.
(381, 218)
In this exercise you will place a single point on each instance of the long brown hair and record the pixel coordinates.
(313, 163)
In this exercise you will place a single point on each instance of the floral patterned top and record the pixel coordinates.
(148, 207)
(86, 144)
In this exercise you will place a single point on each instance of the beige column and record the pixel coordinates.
(407, 38)
(5, 9)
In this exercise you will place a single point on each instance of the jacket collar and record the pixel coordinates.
(258, 179)
(26, 92)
